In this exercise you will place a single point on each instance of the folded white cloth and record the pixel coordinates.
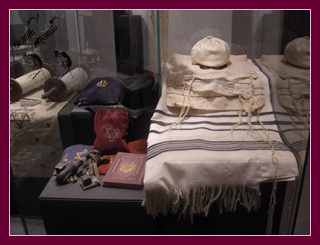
(236, 87)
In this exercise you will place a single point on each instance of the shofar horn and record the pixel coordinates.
(29, 82)
(56, 89)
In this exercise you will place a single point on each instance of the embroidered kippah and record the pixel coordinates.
(211, 52)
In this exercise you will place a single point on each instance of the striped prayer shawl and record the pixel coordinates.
(233, 88)
(213, 157)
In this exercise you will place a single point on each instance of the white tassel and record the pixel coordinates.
(199, 199)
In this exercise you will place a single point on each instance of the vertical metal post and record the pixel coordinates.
(18, 203)
(159, 52)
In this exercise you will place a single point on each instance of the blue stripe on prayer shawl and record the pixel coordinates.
(199, 144)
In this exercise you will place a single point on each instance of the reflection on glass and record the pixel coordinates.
(54, 54)
(289, 76)
(71, 62)
(289, 79)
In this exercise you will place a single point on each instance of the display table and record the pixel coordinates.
(69, 210)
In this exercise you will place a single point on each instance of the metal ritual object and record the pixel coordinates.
(90, 55)
(29, 81)
(91, 178)
(56, 89)
(59, 167)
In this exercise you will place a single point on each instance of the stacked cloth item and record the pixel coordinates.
(213, 138)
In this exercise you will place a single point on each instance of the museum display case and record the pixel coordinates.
(202, 73)
(217, 100)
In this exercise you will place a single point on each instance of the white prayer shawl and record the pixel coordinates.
(237, 87)
(202, 162)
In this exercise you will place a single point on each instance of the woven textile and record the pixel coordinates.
(35, 140)
(213, 157)
(233, 88)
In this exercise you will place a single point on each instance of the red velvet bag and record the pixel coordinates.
(110, 126)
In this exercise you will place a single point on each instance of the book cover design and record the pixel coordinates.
(126, 171)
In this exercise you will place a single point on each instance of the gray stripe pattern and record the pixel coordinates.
(199, 144)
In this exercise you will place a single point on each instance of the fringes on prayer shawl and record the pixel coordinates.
(191, 202)
(247, 104)
(185, 109)
(276, 165)
(275, 162)
(265, 137)
(198, 200)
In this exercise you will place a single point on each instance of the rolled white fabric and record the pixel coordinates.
(297, 52)
(210, 52)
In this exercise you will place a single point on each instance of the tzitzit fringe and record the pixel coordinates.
(256, 135)
(275, 181)
(199, 199)
(250, 132)
(185, 108)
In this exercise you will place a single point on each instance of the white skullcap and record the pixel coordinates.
(210, 52)
(297, 52)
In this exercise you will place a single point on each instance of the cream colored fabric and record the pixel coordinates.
(210, 52)
(236, 87)
(35, 141)
(201, 163)
(297, 52)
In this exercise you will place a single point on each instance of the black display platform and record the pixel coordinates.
(68, 210)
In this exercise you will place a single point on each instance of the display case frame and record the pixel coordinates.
(251, 41)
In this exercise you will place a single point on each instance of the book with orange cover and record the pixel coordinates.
(126, 171)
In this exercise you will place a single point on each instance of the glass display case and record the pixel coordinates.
(218, 100)
(273, 41)
(53, 56)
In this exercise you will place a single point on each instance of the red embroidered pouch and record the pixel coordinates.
(110, 126)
